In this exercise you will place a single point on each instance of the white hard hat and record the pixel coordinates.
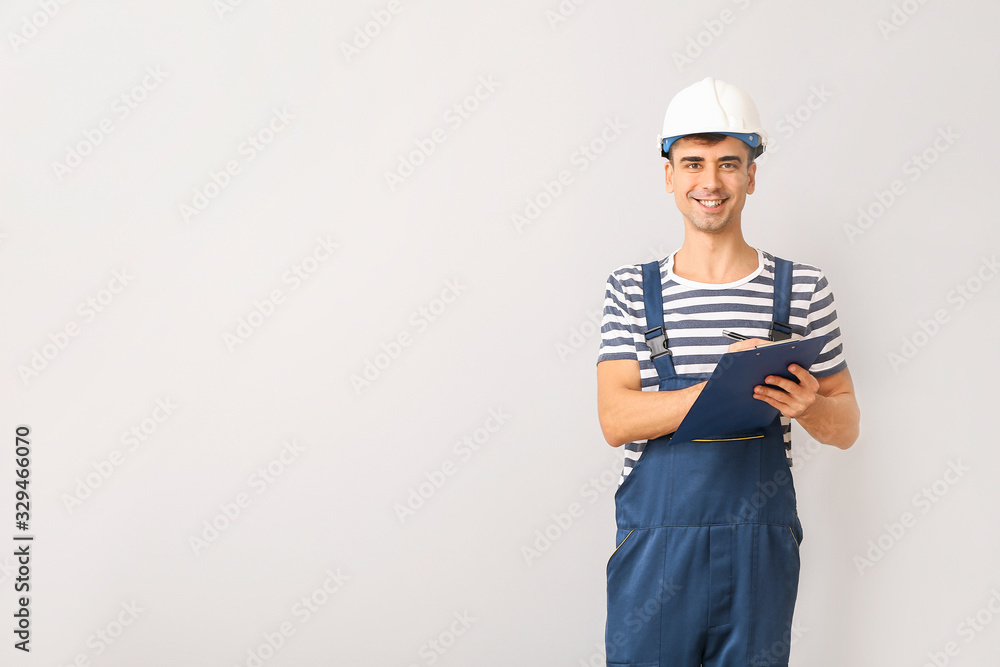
(712, 106)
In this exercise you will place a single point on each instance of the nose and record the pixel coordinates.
(710, 177)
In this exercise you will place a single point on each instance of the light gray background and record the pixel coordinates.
(518, 338)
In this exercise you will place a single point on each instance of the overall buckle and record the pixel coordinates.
(657, 342)
(780, 331)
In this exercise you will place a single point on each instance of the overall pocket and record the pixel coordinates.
(635, 581)
(752, 434)
(627, 535)
(796, 529)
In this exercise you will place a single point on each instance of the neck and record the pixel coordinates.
(707, 258)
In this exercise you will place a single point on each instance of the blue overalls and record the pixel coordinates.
(707, 565)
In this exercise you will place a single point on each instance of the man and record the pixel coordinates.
(707, 564)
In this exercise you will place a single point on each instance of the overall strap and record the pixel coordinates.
(780, 328)
(656, 335)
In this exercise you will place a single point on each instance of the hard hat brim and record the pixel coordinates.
(753, 140)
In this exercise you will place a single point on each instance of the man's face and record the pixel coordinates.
(710, 183)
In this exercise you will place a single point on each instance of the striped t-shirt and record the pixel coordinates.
(694, 315)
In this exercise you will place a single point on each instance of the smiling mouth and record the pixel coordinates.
(711, 203)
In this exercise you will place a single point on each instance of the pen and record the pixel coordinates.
(735, 335)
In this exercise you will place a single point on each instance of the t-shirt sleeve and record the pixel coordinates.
(822, 319)
(617, 325)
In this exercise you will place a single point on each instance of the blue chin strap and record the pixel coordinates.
(752, 140)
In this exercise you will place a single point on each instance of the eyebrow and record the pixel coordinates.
(724, 158)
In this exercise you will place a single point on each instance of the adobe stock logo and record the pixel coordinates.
(582, 158)
(900, 16)
(701, 42)
(223, 7)
(88, 310)
(419, 321)
(962, 294)
(295, 277)
(248, 150)
(923, 500)
(915, 167)
(581, 334)
(435, 647)
(795, 120)
(968, 629)
(364, 35)
(303, 610)
(562, 12)
(464, 449)
(29, 28)
(230, 511)
(105, 636)
(132, 439)
(596, 487)
(456, 115)
(121, 108)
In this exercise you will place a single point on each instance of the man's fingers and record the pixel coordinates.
(793, 398)
(779, 381)
(747, 344)
(771, 397)
(806, 379)
(799, 372)
(784, 403)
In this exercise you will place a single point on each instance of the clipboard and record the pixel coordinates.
(726, 405)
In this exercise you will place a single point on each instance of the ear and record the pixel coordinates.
(751, 178)
(669, 176)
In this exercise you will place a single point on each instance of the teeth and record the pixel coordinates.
(711, 203)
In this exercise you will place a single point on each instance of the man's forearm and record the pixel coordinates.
(628, 415)
(833, 420)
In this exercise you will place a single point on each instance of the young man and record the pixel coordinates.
(707, 564)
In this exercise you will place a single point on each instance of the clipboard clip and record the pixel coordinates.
(780, 331)
(657, 342)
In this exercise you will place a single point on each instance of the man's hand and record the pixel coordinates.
(796, 399)
(825, 407)
(747, 344)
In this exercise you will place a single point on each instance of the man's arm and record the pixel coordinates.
(833, 417)
(825, 407)
(627, 413)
